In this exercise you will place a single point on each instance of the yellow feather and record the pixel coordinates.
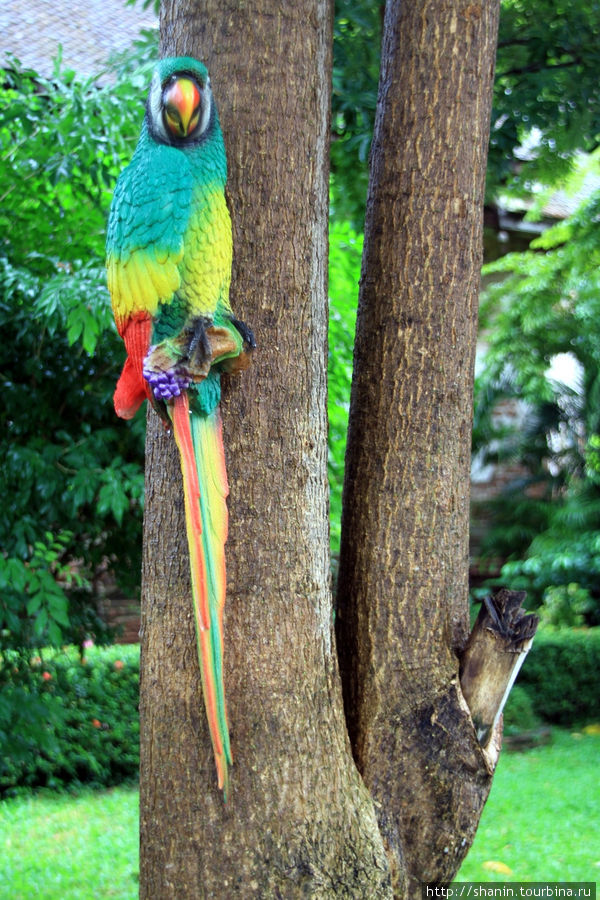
(142, 281)
(206, 268)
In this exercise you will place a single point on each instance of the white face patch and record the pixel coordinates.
(155, 107)
(206, 107)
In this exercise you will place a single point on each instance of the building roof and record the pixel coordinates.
(562, 204)
(88, 30)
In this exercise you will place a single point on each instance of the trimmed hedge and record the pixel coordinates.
(562, 675)
(64, 721)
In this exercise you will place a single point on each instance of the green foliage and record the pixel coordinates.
(145, 4)
(560, 675)
(565, 606)
(356, 52)
(546, 98)
(71, 472)
(558, 287)
(546, 83)
(42, 579)
(345, 253)
(546, 308)
(88, 706)
(63, 143)
(519, 714)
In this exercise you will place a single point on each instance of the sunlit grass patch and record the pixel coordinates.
(542, 820)
(64, 847)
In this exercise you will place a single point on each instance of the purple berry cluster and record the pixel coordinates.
(166, 384)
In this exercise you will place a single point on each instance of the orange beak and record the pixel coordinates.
(182, 104)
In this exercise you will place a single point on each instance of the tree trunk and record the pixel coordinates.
(298, 821)
(402, 601)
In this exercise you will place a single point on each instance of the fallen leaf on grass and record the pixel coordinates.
(494, 865)
(594, 728)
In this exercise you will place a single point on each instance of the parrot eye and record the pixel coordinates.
(182, 106)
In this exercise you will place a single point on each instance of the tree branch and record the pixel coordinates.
(539, 67)
(490, 663)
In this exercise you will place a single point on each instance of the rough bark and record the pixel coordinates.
(299, 821)
(402, 601)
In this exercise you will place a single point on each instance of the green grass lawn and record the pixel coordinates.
(542, 823)
(59, 847)
(542, 819)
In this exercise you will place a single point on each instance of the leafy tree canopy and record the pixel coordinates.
(546, 83)
(545, 309)
(546, 110)
(356, 54)
(71, 473)
(545, 94)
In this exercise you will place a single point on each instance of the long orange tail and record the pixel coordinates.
(200, 444)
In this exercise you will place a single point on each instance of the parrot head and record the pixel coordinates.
(180, 105)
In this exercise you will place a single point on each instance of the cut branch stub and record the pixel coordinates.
(490, 663)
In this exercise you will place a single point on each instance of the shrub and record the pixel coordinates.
(560, 675)
(541, 315)
(566, 605)
(519, 714)
(91, 731)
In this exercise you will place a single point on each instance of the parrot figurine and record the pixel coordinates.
(169, 253)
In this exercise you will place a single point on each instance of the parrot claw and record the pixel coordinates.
(199, 350)
(173, 365)
(246, 333)
(221, 346)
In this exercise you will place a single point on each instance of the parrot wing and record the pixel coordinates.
(146, 231)
(145, 247)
